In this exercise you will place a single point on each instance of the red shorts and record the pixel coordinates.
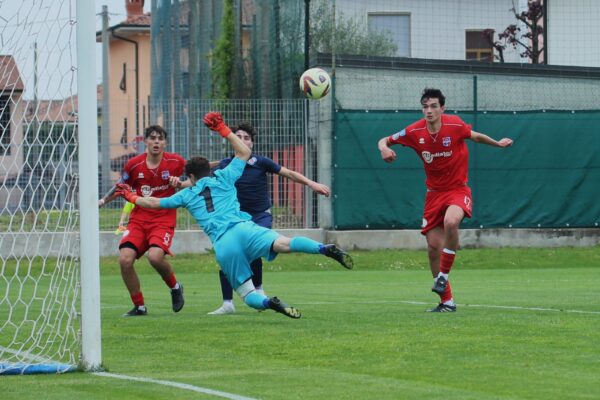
(436, 203)
(144, 235)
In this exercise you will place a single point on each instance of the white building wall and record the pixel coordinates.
(438, 27)
(574, 32)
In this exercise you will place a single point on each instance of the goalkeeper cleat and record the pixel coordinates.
(177, 300)
(443, 308)
(339, 255)
(440, 285)
(136, 311)
(277, 305)
(226, 308)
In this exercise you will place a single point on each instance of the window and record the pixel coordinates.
(478, 46)
(397, 26)
(4, 126)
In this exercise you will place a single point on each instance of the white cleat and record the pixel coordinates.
(226, 308)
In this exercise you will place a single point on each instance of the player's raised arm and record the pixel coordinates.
(387, 154)
(214, 122)
(485, 139)
(298, 177)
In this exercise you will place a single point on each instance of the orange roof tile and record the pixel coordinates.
(10, 78)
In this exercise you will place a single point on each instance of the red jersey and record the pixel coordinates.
(444, 154)
(153, 182)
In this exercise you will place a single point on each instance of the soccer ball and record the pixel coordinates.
(315, 83)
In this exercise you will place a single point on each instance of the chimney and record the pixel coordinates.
(134, 8)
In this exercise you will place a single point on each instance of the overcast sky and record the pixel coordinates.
(46, 22)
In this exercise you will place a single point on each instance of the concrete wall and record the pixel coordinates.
(196, 242)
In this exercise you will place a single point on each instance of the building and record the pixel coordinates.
(128, 83)
(12, 113)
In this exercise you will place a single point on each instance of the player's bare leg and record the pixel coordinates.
(435, 244)
(156, 257)
(127, 257)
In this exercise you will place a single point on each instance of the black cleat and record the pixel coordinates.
(177, 300)
(339, 255)
(440, 285)
(277, 305)
(136, 311)
(443, 308)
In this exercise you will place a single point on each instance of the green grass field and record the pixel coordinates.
(527, 327)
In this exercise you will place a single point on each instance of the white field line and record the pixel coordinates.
(177, 385)
(423, 303)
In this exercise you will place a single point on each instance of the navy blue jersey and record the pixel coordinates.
(252, 187)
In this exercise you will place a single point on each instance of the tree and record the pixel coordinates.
(351, 36)
(223, 57)
(528, 42)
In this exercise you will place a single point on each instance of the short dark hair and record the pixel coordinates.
(430, 93)
(155, 128)
(197, 166)
(246, 127)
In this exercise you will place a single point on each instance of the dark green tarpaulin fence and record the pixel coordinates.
(550, 178)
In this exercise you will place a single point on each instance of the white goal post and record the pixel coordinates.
(49, 226)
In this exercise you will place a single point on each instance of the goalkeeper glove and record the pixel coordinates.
(214, 122)
(125, 191)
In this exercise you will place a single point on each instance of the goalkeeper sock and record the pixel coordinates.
(256, 300)
(303, 244)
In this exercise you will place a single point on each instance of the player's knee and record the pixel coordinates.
(126, 261)
(451, 223)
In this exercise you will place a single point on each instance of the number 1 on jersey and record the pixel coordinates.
(207, 199)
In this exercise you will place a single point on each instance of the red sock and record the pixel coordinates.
(138, 299)
(171, 281)
(447, 260)
(447, 295)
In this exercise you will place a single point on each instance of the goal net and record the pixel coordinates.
(40, 208)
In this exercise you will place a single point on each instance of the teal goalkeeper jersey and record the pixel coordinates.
(212, 201)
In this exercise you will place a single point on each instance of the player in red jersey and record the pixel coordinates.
(439, 141)
(150, 230)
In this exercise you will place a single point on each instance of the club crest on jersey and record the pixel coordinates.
(165, 175)
(397, 135)
(141, 175)
(252, 161)
(421, 140)
(446, 141)
(146, 191)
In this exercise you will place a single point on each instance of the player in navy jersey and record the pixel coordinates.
(253, 195)
(237, 241)
(439, 141)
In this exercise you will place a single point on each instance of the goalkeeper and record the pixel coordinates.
(237, 241)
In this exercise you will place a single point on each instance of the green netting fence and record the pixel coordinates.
(550, 178)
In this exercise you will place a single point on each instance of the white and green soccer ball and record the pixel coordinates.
(315, 83)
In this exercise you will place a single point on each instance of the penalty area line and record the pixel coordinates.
(177, 385)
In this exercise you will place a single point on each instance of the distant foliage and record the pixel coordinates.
(350, 36)
(223, 56)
